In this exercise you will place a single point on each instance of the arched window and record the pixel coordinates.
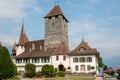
(82, 59)
(75, 59)
(89, 59)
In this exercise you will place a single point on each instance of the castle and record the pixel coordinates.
(54, 48)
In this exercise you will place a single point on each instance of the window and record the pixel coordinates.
(76, 68)
(82, 68)
(88, 67)
(64, 57)
(75, 59)
(30, 49)
(82, 49)
(18, 60)
(45, 60)
(89, 59)
(26, 60)
(57, 58)
(82, 59)
(52, 24)
(40, 47)
(35, 60)
(56, 16)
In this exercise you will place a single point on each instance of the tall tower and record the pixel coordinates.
(56, 28)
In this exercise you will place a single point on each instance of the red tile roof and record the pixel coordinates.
(62, 49)
(56, 11)
(37, 52)
(23, 38)
(87, 50)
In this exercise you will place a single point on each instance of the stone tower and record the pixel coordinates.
(56, 28)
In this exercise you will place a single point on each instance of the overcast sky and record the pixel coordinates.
(97, 20)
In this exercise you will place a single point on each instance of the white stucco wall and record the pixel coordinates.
(93, 63)
(56, 63)
(20, 49)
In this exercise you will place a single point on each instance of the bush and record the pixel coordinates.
(6, 65)
(29, 70)
(38, 74)
(61, 74)
(48, 70)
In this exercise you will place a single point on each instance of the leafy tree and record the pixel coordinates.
(48, 70)
(105, 68)
(100, 63)
(30, 70)
(6, 66)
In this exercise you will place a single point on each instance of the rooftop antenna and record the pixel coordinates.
(56, 2)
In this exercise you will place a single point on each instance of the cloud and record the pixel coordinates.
(97, 37)
(16, 9)
(7, 40)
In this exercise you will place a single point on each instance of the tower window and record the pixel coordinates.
(52, 24)
(50, 17)
(56, 16)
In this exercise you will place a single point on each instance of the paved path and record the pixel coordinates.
(100, 78)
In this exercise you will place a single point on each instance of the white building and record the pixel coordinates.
(54, 48)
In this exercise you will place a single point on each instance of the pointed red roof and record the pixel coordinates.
(14, 48)
(61, 50)
(23, 38)
(56, 11)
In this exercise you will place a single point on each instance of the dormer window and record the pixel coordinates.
(30, 49)
(82, 49)
(40, 47)
(33, 46)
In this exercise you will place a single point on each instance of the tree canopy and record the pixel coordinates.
(7, 68)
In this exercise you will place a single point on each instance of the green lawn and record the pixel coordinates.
(72, 78)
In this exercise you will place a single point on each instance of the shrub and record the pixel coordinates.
(6, 65)
(61, 74)
(29, 70)
(48, 70)
(38, 74)
(69, 68)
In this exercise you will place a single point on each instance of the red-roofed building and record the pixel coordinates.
(54, 48)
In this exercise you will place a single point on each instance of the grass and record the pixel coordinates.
(72, 78)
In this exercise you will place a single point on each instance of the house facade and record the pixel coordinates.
(54, 48)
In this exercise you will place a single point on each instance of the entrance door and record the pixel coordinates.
(61, 67)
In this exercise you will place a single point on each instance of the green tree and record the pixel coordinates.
(100, 63)
(30, 70)
(105, 68)
(6, 65)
